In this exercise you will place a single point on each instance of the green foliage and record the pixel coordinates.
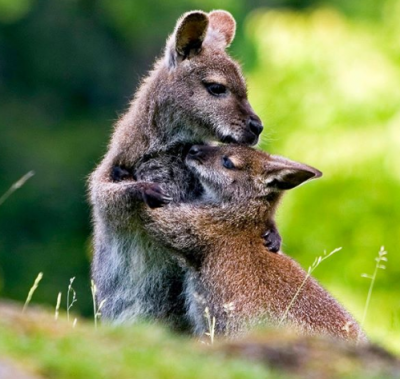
(10, 11)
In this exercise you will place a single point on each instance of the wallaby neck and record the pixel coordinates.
(162, 118)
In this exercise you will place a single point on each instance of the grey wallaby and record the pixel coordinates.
(195, 93)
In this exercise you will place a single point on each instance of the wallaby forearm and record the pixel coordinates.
(178, 226)
(186, 227)
(108, 195)
(116, 201)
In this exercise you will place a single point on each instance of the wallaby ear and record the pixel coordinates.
(284, 174)
(188, 37)
(222, 29)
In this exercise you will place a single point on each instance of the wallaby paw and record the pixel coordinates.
(153, 195)
(272, 240)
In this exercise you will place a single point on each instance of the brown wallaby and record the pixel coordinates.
(194, 94)
(219, 239)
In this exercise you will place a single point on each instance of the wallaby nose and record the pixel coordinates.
(195, 152)
(255, 126)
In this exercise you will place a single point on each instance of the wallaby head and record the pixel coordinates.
(232, 172)
(204, 87)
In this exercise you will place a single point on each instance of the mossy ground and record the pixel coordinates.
(54, 349)
(43, 347)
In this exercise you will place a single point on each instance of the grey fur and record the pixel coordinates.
(171, 109)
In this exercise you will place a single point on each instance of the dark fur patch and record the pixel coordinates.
(120, 173)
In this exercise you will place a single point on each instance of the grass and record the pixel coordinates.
(58, 304)
(18, 184)
(379, 266)
(210, 325)
(72, 292)
(32, 291)
(96, 308)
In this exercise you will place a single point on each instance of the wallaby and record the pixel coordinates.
(195, 93)
(219, 239)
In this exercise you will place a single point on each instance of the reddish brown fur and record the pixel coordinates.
(229, 263)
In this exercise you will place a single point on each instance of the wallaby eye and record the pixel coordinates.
(216, 89)
(227, 163)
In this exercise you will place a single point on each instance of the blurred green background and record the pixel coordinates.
(323, 75)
